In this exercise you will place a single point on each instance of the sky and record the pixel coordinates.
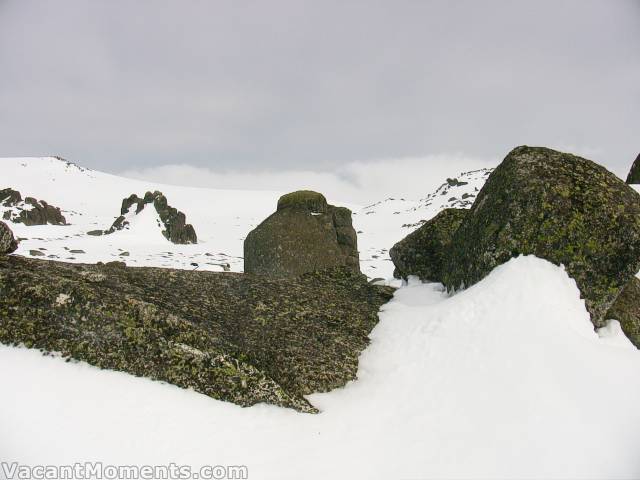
(200, 92)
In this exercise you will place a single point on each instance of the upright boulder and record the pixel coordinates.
(305, 234)
(422, 252)
(634, 173)
(559, 207)
(8, 243)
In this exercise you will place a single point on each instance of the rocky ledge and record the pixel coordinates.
(236, 337)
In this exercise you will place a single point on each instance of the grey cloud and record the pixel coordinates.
(311, 85)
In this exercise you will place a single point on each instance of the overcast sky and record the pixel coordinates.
(316, 85)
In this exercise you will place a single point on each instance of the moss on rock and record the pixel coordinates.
(422, 252)
(559, 207)
(305, 234)
(236, 337)
(626, 310)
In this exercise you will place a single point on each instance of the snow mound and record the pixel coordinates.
(504, 380)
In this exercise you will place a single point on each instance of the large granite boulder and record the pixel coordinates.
(559, 207)
(8, 243)
(305, 234)
(422, 252)
(634, 174)
(626, 309)
(241, 338)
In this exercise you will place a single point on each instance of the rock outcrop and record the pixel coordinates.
(634, 174)
(422, 253)
(29, 211)
(305, 234)
(241, 338)
(8, 243)
(626, 309)
(176, 229)
(559, 207)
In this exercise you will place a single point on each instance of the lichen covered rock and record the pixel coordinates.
(626, 309)
(305, 234)
(422, 252)
(241, 338)
(559, 207)
(634, 173)
(8, 243)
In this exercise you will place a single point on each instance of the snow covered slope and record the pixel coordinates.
(91, 200)
(504, 380)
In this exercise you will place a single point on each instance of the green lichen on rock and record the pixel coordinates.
(305, 234)
(236, 337)
(634, 173)
(422, 252)
(305, 200)
(559, 207)
(626, 309)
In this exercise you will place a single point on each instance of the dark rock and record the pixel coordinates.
(31, 210)
(10, 197)
(559, 207)
(304, 234)
(422, 252)
(626, 309)
(176, 229)
(8, 243)
(36, 253)
(634, 173)
(95, 233)
(235, 337)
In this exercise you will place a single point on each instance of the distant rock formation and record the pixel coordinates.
(634, 173)
(176, 230)
(8, 243)
(557, 206)
(29, 211)
(422, 252)
(305, 234)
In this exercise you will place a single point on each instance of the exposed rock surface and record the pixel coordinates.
(559, 207)
(29, 211)
(176, 229)
(422, 252)
(305, 234)
(235, 337)
(626, 309)
(8, 243)
(634, 174)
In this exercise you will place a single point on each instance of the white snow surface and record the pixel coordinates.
(504, 380)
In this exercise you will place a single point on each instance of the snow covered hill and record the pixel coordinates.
(506, 379)
(91, 200)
